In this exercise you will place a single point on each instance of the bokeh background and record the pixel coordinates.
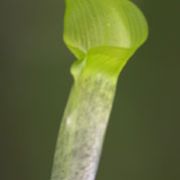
(143, 139)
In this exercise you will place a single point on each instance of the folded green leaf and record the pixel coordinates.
(115, 28)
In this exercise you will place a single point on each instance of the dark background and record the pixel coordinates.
(143, 139)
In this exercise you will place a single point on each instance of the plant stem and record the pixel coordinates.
(103, 35)
(83, 128)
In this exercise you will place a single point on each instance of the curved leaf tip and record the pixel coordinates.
(95, 24)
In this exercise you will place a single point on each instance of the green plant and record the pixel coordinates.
(103, 35)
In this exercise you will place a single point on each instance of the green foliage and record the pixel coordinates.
(103, 29)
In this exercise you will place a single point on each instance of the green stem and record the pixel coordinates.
(83, 128)
(103, 35)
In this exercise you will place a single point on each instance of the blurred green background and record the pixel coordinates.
(143, 139)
